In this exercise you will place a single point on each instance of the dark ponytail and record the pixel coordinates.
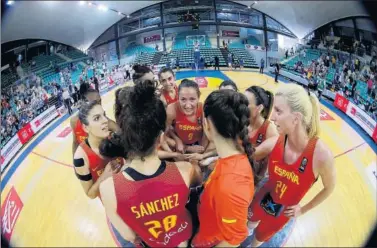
(230, 114)
(264, 97)
(139, 72)
(141, 117)
(267, 111)
(113, 147)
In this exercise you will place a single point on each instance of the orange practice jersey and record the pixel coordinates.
(224, 202)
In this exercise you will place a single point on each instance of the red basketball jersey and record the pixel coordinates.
(260, 135)
(189, 132)
(288, 183)
(96, 163)
(154, 208)
(168, 98)
(80, 134)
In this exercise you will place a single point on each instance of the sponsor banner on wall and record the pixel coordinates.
(254, 47)
(374, 136)
(103, 86)
(10, 211)
(110, 81)
(9, 151)
(152, 38)
(43, 119)
(226, 33)
(361, 118)
(341, 102)
(25, 133)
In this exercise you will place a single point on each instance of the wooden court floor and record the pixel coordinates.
(56, 212)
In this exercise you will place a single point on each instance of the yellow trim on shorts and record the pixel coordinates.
(228, 221)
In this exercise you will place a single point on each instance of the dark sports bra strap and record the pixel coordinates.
(137, 176)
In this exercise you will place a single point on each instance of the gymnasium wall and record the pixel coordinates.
(106, 53)
(249, 35)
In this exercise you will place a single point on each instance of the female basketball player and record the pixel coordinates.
(141, 73)
(229, 189)
(90, 167)
(296, 159)
(169, 91)
(148, 198)
(260, 129)
(228, 84)
(78, 132)
(225, 85)
(164, 151)
(186, 117)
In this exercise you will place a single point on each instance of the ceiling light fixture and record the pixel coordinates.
(89, 3)
(119, 13)
(102, 7)
(82, 2)
(10, 2)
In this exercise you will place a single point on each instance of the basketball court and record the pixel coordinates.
(45, 205)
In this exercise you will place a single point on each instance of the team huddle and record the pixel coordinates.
(174, 172)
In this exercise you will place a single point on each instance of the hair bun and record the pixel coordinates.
(112, 147)
(143, 93)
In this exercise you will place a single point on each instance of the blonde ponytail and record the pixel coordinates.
(299, 101)
(313, 125)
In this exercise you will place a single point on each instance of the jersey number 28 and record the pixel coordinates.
(157, 227)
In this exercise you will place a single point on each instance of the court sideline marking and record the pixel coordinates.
(52, 160)
(350, 150)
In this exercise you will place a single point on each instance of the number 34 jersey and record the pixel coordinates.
(154, 208)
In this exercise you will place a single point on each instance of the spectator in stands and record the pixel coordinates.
(357, 64)
(217, 62)
(333, 60)
(374, 91)
(321, 87)
(127, 70)
(96, 83)
(230, 60)
(177, 63)
(303, 54)
(261, 66)
(373, 110)
(67, 100)
(84, 86)
(370, 86)
(353, 85)
(277, 69)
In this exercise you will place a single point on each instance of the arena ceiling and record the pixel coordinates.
(79, 25)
